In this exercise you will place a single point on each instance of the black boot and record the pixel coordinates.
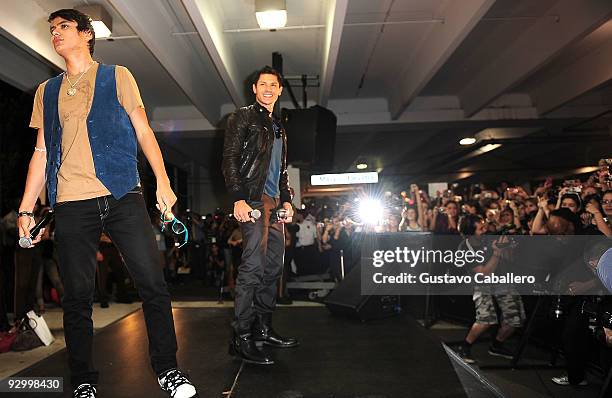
(243, 347)
(262, 331)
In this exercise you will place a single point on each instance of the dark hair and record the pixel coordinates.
(475, 204)
(568, 216)
(452, 202)
(83, 23)
(268, 70)
(467, 224)
(572, 196)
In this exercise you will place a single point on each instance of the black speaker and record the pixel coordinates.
(311, 136)
(346, 299)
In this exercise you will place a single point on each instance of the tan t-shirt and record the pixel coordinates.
(76, 179)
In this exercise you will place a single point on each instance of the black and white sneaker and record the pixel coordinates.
(499, 350)
(84, 390)
(564, 381)
(177, 384)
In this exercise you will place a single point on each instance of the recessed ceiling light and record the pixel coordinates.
(271, 14)
(467, 141)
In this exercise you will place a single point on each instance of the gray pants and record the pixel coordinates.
(261, 266)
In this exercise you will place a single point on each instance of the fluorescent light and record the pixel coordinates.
(273, 19)
(488, 148)
(467, 141)
(271, 14)
(361, 166)
(101, 20)
(101, 29)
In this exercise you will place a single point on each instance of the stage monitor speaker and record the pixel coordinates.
(311, 135)
(346, 299)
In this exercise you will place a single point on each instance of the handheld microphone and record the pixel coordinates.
(26, 241)
(255, 214)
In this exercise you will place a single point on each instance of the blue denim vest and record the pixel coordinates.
(111, 136)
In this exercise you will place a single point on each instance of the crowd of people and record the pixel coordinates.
(321, 240)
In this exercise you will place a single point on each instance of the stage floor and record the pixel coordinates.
(337, 358)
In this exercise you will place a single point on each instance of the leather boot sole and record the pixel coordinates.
(238, 356)
(280, 346)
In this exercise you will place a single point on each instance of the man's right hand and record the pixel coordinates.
(242, 211)
(24, 223)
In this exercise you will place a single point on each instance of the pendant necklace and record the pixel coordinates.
(72, 91)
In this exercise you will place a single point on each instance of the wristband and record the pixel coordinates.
(25, 213)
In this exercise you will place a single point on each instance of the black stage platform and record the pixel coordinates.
(337, 358)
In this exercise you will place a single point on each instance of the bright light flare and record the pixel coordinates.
(371, 212)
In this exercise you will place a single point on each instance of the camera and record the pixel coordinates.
(278, 215)
(603, 319)
(575, 189)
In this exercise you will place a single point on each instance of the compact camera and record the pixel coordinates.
(278, 215)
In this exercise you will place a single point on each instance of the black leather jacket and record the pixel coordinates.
(247, 149)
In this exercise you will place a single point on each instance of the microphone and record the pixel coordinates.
(255, 214)
(26, 241)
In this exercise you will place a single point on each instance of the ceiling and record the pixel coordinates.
(406, 78)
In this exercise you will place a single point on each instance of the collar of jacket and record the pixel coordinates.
(262, 109)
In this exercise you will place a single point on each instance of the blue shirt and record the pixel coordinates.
(271, 188)
(604, 269)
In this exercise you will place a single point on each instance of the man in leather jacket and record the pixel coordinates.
(255, 171)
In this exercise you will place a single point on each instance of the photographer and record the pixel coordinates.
(446, 219)
(593, 216)
(413, 218)
(473, 229)
(339, 236)
(575, 332)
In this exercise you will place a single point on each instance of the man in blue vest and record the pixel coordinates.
(90, 121)
(255, 171)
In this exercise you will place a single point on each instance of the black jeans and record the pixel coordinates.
(263, 245)
(79, 225)
(576, 337)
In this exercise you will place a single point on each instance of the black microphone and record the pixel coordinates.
(26, 241)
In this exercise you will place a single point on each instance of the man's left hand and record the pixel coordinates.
(287, 206)
(165, 198)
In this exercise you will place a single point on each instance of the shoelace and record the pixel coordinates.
(174, 378)
(85, 391)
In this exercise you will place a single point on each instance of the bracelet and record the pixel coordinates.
(25, 213)
(40, 149)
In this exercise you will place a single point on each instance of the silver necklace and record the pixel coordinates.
(72, 91)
